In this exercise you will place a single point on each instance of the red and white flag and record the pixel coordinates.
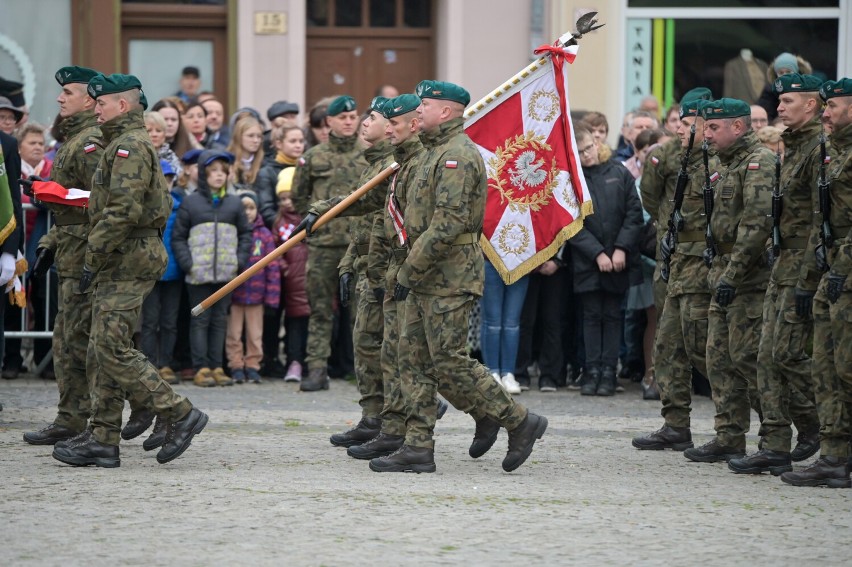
(52, 192)
(537, 195)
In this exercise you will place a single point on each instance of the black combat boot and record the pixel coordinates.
(50, 435)
(667, 437)
(380, 446)
(608, 382)
(832, 472)
(158, 436)
(366, 429)
(484, 437)
(590, 381)
(179, 435)
(139, 422)
(81, 437)
(773, 462)
(522, 439)
(406, 459)
(713, 452)
(89, 452)
(317, 379)
(807, 445)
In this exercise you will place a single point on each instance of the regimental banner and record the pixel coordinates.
(7, 212)
(537, 195)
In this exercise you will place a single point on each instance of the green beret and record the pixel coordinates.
(75, 74)
(698, 93)
(400, 105)
(691, 107)
(111, 84)
(143, 100)
(831, 89)
(343, 103)
(378, 104)
(797, 83)
(443, 91)
(725, 108)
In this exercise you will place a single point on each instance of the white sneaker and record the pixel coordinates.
(511, 384)
(497, 379)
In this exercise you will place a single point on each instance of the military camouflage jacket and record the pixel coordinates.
(799, 174)
(129, 205)
(327, 171)
(741, 220)
(444, 215)
(840, 175)
(74, 166)
(659, 176)
(386, 252)
(366, 210)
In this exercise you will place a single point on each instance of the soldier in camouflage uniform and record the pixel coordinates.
(832, 361)
(784, 367)
(327, 171)
(128, 208)
(444, 274)
(387, 254)
(369, 293)
(681, 341)
(740, 226)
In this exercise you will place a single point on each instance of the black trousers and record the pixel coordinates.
(602, 327)
(544, 321)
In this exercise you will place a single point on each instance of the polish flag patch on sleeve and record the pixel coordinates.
(827, 159)
(752, 165)
(122, 153)
(715, 177)
(451, 164)
(301, 162)
(89, 148)
(655, 160)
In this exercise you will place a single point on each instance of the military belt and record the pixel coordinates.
(400, 253)
(466, 238)
(362, 249)
(725, 247)
(144, 232)
(794, 243)
(690, 236)
(69, 222)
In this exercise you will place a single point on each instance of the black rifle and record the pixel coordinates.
(825, 235)
(669, 242)
(710, 251)
(777, 206)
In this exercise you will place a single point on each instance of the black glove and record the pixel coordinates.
(379, 294)
(770, 257)
(345, 293)
(804, 303)
(725, 293)
(835, 286)
(307, 225)
(86, 280)
(27, 185)
(270, 312)
(400, 292)
(43, 261)
(821, 259)
(708, 256)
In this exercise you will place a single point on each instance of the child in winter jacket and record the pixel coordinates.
(260, 292)
(294, 264)
(211, 242)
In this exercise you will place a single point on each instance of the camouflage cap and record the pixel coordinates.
(111, 84)
(725, 108)
(797, 83)
(343, 103)
(442, 91)
(840, 87)
(75, 74)
(378, 104)
(698, 93)
(400, 105)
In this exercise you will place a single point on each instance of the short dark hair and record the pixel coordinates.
(191, 70)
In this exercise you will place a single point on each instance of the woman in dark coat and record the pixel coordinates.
(605, 262)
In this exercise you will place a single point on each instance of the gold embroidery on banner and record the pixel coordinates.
(519, 172)
(513, 238)
(543, 106)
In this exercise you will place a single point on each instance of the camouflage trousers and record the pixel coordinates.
(323, 285)
(115, 367)
(680, 344)
(659, 293)
(369, 328)
(433, 344)
(832, 372)
(784, 370)
(70, 341)
(733, 335)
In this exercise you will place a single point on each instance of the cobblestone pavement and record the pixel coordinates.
(263, 486)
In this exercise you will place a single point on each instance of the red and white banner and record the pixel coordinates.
(52, 192)
(537, 195)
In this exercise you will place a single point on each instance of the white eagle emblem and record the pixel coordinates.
(528, 172)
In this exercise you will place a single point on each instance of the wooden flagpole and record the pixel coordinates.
(293, 240)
